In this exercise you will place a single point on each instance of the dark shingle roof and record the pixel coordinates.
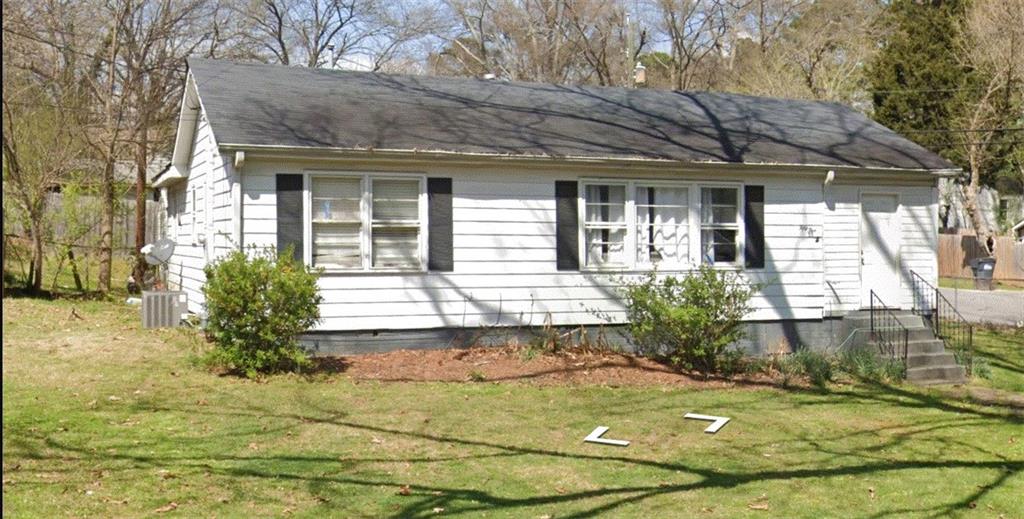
(253, 104)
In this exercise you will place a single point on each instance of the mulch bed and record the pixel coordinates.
(509, 364)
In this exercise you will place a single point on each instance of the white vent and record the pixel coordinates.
(163, 309)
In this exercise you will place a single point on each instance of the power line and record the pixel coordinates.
(924, 90)
(967, 130)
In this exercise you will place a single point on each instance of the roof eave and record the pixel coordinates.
(322, 152)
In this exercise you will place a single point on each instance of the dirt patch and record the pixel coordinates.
(518, 365)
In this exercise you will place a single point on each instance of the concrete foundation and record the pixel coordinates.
(763, 337)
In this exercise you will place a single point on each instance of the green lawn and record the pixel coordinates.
(1003, 353)
(101, 418)
(968, 284)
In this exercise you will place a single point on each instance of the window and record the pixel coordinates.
(662, 228)
(337, 222)
(649, 224)
(396, 223)
(719, 225)
(366, 222)
(605, 225)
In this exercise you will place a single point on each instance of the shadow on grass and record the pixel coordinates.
(327, 474)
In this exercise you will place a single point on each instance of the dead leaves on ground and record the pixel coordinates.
(166, 508)
(761, 503)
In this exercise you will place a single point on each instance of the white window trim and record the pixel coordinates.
(366, 222)
(741, 235)
(693, 225)
(629, 242)
(194, 213)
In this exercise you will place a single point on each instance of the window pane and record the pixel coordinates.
(718, 245)
(336, 199)
(396, 200)
(396, 247)
(606, 246)
(662, 231)
(718, 205)
(336, 245)
(606, 204)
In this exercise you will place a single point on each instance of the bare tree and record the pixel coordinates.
(157, 37)
(124, 60)
(696, 31)
(819, 55)
(992, 47)
(764, 21)
(314, 33)
(41, 146)
(515, 39)
(606, 38)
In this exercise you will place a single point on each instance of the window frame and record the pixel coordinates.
(583, 227)
(678, 265)
(694, 225)
(366, 219)
(739, 227)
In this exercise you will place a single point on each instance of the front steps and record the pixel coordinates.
(928, 362)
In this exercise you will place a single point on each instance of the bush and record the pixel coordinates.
(815, 365)
(689, 320)
(257, 304)
(864, 364)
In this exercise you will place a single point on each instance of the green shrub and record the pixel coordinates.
(789, 368)
(689, 320)
(981, 369)
(864, 364)
(817, 366)
(257, 304)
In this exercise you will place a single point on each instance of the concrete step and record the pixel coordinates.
(927, 360)
(925, 346)
(950, 374)
(938, 382)
(863, 320)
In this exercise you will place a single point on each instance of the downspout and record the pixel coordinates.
(236, 198)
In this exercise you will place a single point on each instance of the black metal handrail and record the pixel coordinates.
(946, 322)
(887, 331)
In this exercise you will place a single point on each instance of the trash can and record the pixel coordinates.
(983, 269)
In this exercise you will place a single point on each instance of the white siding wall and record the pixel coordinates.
(504, 252)
(918, 248)
(200, 214)
(919, 213)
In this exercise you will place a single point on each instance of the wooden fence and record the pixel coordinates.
(957, 250)
(84, 230)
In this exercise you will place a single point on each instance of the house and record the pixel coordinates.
(439, 205)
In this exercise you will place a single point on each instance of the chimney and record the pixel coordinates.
(639, 75)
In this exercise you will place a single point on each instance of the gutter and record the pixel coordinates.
(476, 158)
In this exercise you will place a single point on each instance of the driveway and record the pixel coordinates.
(996, 306)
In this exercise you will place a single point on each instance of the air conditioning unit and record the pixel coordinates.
(163, 309)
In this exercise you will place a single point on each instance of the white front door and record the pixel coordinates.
(879, 249)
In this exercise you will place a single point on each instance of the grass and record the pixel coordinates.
(101, 418)
(58, 278)
(1002, 351)
(968, 284)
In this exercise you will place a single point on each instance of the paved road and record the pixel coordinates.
(997, 306)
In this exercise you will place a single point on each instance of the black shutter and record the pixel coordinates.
(439, 236)
(289, 214)
(753, 221)
(567, 225)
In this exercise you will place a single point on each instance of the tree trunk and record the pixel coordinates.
(74, 269)
(36, 275)
(106, 227)
(139, 272)
(971, 205)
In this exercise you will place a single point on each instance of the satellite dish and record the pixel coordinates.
(158, 252)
